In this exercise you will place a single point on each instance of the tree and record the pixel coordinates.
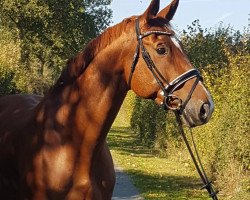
(52, 31)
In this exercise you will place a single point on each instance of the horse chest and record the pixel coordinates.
(58, 167)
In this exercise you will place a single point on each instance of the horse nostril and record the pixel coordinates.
(204, 111)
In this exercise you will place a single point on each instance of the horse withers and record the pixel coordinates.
(54, 147)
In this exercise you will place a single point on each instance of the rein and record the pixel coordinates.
(196, 160)
(168, 88)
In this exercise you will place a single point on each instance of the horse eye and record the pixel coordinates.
(161, 51)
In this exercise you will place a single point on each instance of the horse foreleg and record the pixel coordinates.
(81, 187)
(103, 172)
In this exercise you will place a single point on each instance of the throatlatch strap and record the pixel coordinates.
(135, 60)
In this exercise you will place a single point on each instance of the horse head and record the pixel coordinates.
(161, 70)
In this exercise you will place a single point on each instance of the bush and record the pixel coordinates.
(7, 86)
(227, 135)
(143, 120)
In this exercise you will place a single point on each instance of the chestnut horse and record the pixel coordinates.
(54, 147)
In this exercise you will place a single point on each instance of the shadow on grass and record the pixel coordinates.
(167, 187)
(151, 185)
(123, 138)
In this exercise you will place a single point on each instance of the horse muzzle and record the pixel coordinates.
(193, 111)
(197, 113)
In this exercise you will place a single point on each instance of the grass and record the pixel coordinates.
(155, 177)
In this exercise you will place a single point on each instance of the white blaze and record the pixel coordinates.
(176, 42)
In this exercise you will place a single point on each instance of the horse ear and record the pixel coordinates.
(169, 11)
(152, 10)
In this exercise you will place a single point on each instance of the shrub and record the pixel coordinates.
(7, 86)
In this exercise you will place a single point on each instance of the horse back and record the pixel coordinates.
(16, 112)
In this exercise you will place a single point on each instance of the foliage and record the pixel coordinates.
(223, 57)
(7, 86)
(47, 33)
(227, 134)
(144, 123)
(124, 115)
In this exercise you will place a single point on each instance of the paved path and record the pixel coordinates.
(124, 189)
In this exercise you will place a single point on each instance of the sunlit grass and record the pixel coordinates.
(155, 177)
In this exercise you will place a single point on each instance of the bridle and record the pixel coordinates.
(168, 88)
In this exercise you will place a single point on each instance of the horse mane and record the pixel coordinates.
(78, 64)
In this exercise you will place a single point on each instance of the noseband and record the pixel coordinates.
(168, 88)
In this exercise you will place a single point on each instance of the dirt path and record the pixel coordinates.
(124, 189)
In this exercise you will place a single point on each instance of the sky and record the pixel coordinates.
(209, 12)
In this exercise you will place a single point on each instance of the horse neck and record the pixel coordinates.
(91, 102)
(102, 89)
